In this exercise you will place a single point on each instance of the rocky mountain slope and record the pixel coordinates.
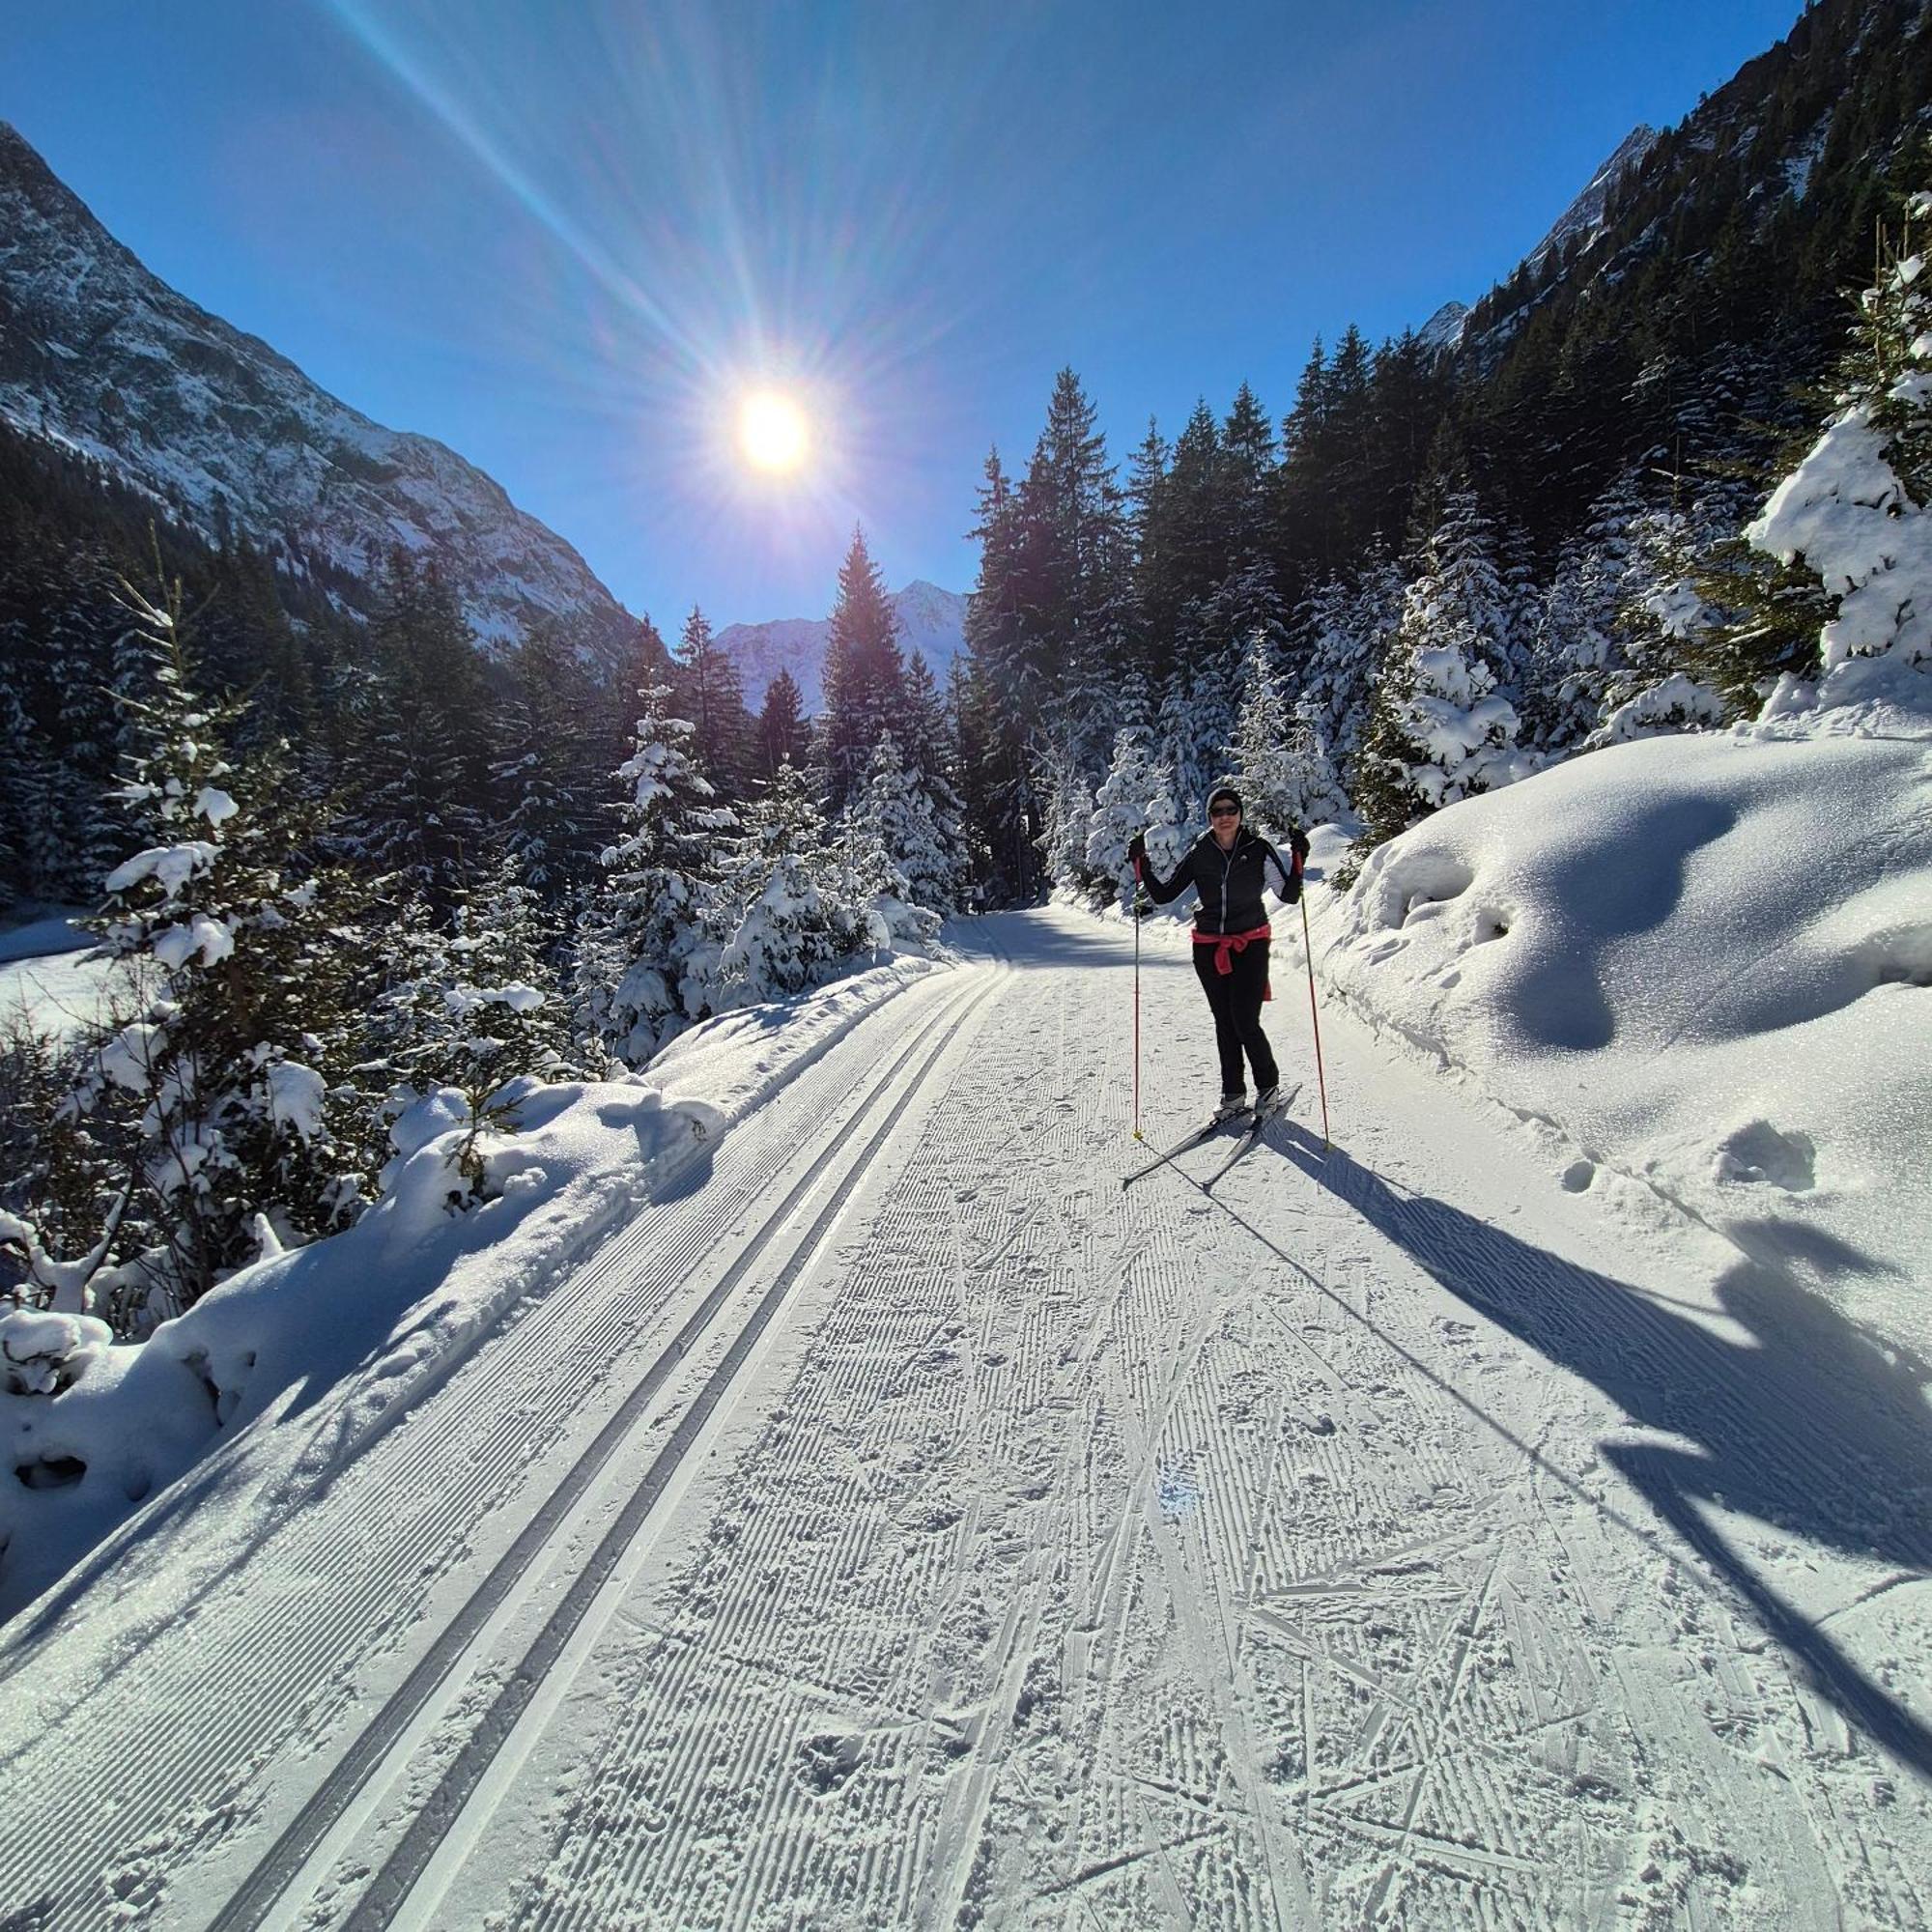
(100, 356)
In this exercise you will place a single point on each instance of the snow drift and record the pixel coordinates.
(1706, 962)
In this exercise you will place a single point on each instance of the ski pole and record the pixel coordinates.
(1137, 999)
(1315, 1019)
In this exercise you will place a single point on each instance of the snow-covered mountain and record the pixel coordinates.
(1443, 330)
(931, 621)
(98, 355)
(1584, 216)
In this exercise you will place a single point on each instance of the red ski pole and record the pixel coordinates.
(1315, 1019)
(1137, 999)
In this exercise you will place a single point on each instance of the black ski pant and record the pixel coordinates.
(1234, 998)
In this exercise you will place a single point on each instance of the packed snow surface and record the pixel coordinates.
(1506, 1501)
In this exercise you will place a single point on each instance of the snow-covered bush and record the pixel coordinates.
(43, 1353)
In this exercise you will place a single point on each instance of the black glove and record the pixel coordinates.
(1137, 849)
(1298, 842)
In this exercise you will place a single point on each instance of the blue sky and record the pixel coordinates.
(563, 237)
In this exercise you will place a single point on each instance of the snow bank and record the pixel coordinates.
(1706, 963)
(51, 982)
(368, 1322)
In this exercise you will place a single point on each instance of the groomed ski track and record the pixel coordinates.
(903, 1527)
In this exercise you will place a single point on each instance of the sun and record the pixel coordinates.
(772, 431)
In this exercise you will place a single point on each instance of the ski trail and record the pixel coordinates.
(1332, 1552)
(272, 1666)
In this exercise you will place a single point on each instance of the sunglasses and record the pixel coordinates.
(1223, 811)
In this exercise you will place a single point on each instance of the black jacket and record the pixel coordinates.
(1230, 883)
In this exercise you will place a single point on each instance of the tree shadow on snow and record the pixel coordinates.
(1026, 939)
(1811, 1426)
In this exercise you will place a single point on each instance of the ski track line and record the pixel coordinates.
(664, 1870)
(447, 1813)
(762, 1725)
(251, 1692)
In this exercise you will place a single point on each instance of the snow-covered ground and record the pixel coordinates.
(47, 982)
(874, 1517)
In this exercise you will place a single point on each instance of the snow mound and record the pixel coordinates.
(1706, 963)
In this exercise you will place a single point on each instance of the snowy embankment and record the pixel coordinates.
(1702, 964)
(51, 981)
(375, 1317)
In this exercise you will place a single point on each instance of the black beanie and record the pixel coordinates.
(1225, 790)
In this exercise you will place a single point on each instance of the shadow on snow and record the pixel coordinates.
(1811, 1427)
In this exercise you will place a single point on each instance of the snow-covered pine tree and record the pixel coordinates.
(1195, 720)
(1851, 523)
(215, 1118)
(1438, 728)
(865, 674)
(641, 970)
(895, 813)
(472, 1006)
(1066, 818)
(1345, 631)
(1168, 834)
(1660, 623)
(1260, 752)
(784, 917)
(1120, 811)
(1310, 771)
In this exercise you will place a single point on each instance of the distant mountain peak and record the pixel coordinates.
(102, 358)
(931, 621)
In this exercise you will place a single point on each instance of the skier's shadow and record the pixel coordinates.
(1811, 1424)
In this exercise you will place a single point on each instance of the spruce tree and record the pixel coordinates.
(785, 916)
(709, 688)
(783, 735)
(416, 753)
(1121, 811)
(898, 811)
(865, 674)
(1838, 583)
(546, 783)
(1438, 728)
(216, 1119)
(1269, 750)
(642, 970)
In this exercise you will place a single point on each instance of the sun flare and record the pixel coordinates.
(772, 431)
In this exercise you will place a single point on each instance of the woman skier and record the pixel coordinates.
(1229, 865)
